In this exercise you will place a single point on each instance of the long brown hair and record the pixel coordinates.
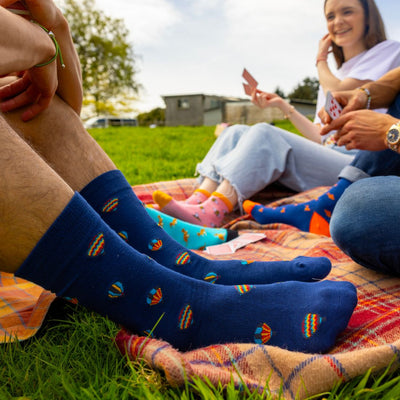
(374, 29)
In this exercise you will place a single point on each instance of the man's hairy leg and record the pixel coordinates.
(32, 196)
(59, 137)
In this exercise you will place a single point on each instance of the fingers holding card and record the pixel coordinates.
(332, 107)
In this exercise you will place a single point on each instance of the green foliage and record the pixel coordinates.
(106, 56)
(155, 116)
(279, 92)
(306, 90)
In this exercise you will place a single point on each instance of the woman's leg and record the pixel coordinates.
(365, 223)
(264, 154)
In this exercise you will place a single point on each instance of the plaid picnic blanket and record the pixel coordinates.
(371, 340)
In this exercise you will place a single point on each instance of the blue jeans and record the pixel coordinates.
(366, 223)
(252, 157)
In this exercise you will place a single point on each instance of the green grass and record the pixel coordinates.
(74, 357)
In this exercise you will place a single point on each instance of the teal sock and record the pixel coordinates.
(313, 216)
(80, 257)
(190, 235)
(113, 198)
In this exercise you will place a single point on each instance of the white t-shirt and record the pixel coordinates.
(369, 65)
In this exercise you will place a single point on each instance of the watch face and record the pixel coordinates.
(393, 136)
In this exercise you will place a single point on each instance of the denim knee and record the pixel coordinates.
(364, 224)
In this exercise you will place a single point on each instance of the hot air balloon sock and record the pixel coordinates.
(113, 198)
(81, 258)
(190, 235)
(313, 216)
(209, 213)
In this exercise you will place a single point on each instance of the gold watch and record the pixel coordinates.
(393, 137)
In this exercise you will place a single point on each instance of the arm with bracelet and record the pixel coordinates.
(52, 23)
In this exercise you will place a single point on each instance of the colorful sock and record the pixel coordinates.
(198, 196)
(210, 213)
(313, 216)
(190, 235)
(113, 198)
(81, 258)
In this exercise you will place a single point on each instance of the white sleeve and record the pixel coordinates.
(377, 61)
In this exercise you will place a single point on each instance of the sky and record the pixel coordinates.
(202, 46)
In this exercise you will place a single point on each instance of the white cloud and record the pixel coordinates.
(147, 20)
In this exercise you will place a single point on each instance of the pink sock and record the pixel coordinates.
(210, 213)
(198, 196)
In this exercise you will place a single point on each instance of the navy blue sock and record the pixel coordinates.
(313, 216)
(80, 257)
(113, 198)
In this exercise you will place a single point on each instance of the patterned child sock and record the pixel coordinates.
(313, 216)
(210, 213)
(198, 196)
(190, 235)
(113, 198)
(82, 259)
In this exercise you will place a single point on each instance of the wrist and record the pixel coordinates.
(367, 94)
(392, 137)
(44, 46)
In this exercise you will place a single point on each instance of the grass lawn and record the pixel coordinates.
(73, 356)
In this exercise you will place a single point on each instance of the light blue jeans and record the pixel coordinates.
(252, 157)
(366, 223)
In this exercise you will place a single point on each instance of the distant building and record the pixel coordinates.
(208, 110)
(196, 109)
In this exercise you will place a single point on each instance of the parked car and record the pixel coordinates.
(104, 122)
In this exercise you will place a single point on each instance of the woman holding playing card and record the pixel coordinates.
(246, 159)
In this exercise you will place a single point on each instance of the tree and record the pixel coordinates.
(155, 116)
(307, 90)
(279, 92)
(106, 56)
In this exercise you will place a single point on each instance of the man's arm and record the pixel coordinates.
(385, 89)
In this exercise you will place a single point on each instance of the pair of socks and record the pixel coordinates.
(190, 235)
(210, 212)
(119, 262)
(313, 216)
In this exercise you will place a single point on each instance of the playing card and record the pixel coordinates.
(249, 78)
(247, 89)
(234, 244)
(332, 107)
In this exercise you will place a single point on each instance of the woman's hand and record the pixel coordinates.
(324, 48)
(263, 99)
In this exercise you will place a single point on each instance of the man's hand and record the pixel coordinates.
(34, 89)
(363, 129)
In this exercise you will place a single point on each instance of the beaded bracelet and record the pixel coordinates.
(368, 93)
(58, 50)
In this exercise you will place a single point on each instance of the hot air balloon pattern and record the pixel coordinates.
(185, 317)
(96, 246)
(262, 334)
(182, 258)
(110, 206)
(124, 235)
(211, 277)
(310, 324)
(154, 297)
(155, 244)
(244, 288)
(116, 290)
